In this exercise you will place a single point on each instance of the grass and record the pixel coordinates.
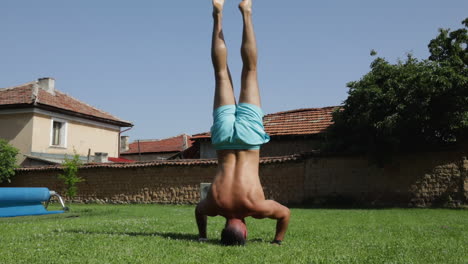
(167, 234)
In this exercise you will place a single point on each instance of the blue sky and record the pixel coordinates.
(149, 61)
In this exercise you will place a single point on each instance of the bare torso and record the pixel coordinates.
(236, 193)
(236, 187)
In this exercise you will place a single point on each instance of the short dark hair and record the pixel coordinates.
(231, 236)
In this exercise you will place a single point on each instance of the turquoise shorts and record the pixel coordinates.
(238, 127)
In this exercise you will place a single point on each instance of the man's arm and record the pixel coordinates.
(201, 220)
(274, 210)
(204, 208)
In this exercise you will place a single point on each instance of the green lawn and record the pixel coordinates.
(167, 234)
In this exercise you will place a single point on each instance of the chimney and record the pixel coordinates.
(124, 146)
(47, 84)
(100, 157)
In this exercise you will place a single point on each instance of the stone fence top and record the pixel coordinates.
(184, 162)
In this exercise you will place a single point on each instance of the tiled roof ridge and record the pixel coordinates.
(183, 162)
(95, 108)
(35, 93)
(303, 110)
(18, 86)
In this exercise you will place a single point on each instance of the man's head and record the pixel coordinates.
(234, 233)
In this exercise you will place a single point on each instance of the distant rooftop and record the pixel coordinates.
(173, 144)
(307, 121)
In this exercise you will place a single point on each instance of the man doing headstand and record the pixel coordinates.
(237, 134)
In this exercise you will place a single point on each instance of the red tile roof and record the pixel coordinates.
(120, 160)
(307, 121)
(17, 95)
(173, 144)
(201, 135)
(30, 94)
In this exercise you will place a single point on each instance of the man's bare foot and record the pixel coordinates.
(246, 6)
(218, 6)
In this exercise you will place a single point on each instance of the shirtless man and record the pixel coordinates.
(237, 134)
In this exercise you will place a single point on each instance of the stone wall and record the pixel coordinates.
(159, 182)
(283, 182)
(140, 184)
(282, 146)
(418, 179)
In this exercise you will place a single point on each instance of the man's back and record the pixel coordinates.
(236, 187)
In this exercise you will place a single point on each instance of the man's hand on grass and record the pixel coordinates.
(276, 242)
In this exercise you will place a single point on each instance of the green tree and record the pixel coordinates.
(450, 48)
(7, 161)
(70, 176)
(412, 104)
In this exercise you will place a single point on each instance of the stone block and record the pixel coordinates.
(204, 188)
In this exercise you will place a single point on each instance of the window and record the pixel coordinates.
(58, 133)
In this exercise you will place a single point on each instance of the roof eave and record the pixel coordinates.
(95, 118)
(16, 106)
(68, 112)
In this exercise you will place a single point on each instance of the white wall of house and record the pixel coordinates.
(77, 134)
(16, 128)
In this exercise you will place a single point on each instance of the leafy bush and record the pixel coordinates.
(7, 161)
(70, 175)
(412, 104)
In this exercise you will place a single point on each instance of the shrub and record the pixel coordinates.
(7, 161)
(70, 176)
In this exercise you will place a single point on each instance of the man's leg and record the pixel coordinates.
(224, 94)
(249, 83)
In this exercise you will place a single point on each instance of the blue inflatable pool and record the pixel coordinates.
(26, 201)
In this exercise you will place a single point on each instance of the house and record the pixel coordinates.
(291, 132)
(47, 125)
(157, 149)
